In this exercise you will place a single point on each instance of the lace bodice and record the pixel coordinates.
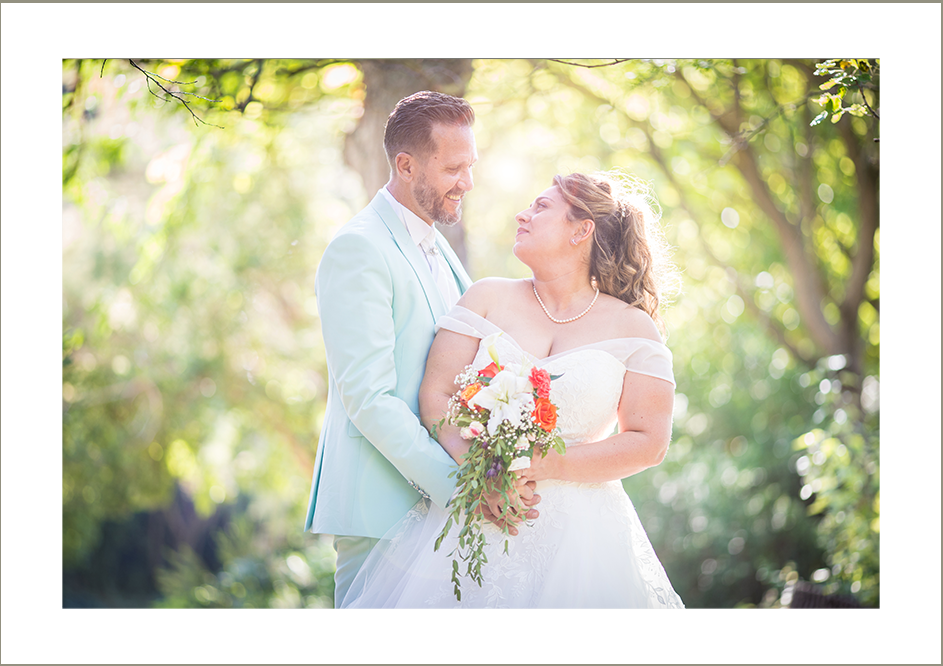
(588, 391)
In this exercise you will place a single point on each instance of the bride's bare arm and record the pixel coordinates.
(644, 434)
(448, 356)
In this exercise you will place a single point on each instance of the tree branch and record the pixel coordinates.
(868, 106)
(775, 330)
(318, 64)
(75, 88)
(576, 64)
(805, 171)
(737, 109)
(861, 257)
(739, 138)
(742, 138)
(768, 322)
(810, 288)
(255, 80)
(179, 83)
(863, 260)
(174, 94)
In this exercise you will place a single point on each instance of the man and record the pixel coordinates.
(383, 281)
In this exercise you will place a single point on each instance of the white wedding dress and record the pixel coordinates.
(586, 550)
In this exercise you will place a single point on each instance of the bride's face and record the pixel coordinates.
(543, 230)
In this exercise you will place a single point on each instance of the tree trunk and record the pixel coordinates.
(387, 82)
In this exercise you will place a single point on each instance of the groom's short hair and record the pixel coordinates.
(409, 127)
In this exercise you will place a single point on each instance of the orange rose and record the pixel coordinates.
(469, 392)
(545, 414)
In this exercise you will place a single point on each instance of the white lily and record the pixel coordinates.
(506, 397)
(490, 344)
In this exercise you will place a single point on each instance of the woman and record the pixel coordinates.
(588, 315)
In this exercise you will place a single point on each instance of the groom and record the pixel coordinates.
(383, 281)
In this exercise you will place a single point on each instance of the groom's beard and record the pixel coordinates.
(432, 204)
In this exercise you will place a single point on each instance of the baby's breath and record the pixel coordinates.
(467, 376)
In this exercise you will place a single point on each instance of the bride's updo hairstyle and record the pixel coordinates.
(628, 258)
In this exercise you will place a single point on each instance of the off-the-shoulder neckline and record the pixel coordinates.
(558, 354)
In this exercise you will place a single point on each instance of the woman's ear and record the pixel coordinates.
(586, 229)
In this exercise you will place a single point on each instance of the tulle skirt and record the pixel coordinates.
(586, 550)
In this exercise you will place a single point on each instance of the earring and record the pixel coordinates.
(572, 241)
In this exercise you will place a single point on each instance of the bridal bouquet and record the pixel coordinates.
(506, 412)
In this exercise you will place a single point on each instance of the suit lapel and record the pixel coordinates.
(412, 253)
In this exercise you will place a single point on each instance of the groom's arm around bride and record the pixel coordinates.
(383, 281)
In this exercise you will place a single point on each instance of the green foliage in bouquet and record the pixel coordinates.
(507, 414)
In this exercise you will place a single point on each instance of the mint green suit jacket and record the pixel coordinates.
(378, 305)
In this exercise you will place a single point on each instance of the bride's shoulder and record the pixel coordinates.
(633, 322)
(484, 294)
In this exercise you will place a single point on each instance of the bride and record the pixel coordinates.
(588, 315)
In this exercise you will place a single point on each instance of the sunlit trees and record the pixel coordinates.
(192, 356)
(776, 221)
(192, 350)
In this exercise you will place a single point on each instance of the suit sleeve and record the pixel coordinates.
(355, 300)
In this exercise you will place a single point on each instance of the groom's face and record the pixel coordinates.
(445, 175)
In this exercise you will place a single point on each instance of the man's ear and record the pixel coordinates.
(405, 166)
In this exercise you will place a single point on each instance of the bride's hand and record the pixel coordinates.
(543, 467)
(492, 506)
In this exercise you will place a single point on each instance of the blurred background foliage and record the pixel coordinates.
(193, 368)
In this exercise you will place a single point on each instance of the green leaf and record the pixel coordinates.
(819, 118)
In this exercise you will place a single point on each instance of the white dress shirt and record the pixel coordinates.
(423, 235)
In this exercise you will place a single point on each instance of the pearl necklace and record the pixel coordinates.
(564, 321)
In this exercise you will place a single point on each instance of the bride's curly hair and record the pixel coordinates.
(629, 256)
